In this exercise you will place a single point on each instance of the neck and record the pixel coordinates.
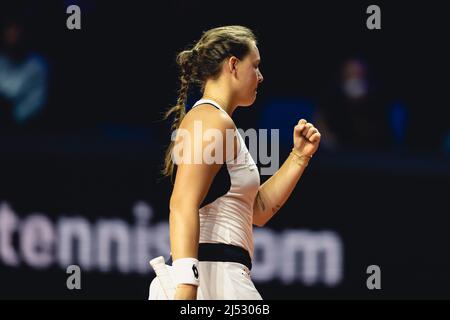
(221, 95)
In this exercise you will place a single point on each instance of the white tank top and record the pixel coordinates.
(229, 218)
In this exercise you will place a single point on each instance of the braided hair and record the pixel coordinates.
(202, 62)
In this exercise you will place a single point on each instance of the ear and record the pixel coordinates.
(232, 64)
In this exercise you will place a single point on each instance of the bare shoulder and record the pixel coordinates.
(209, 116)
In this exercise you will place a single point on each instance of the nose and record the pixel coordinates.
(260, 77)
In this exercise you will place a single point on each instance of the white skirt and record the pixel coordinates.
(218, 281)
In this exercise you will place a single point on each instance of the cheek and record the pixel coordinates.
(252, 77)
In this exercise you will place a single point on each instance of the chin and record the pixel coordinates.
(249, 102)
(246, 105)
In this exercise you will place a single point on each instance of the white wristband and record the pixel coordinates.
(185, 271)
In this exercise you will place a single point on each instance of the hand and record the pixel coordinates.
(186, 292)
(306, 138)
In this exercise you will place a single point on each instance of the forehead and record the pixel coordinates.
(254, 52)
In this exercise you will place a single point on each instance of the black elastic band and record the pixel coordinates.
(209, 104)
(222, 252)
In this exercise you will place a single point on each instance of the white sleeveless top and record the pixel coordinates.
(229, 218)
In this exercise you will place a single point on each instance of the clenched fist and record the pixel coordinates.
(306, 138)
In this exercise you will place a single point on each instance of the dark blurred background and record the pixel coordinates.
(82, 142)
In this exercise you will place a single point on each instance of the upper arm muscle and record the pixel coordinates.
(195, 174)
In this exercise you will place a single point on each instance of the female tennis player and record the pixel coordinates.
(212, 245)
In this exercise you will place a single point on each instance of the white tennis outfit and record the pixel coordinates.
(227, 220)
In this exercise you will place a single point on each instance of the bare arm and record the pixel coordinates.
(273, 193)
(192, 183)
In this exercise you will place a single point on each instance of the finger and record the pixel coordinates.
(299, 128)
(303, 121)
(315, 138)
(307, 127)
(310, 132)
